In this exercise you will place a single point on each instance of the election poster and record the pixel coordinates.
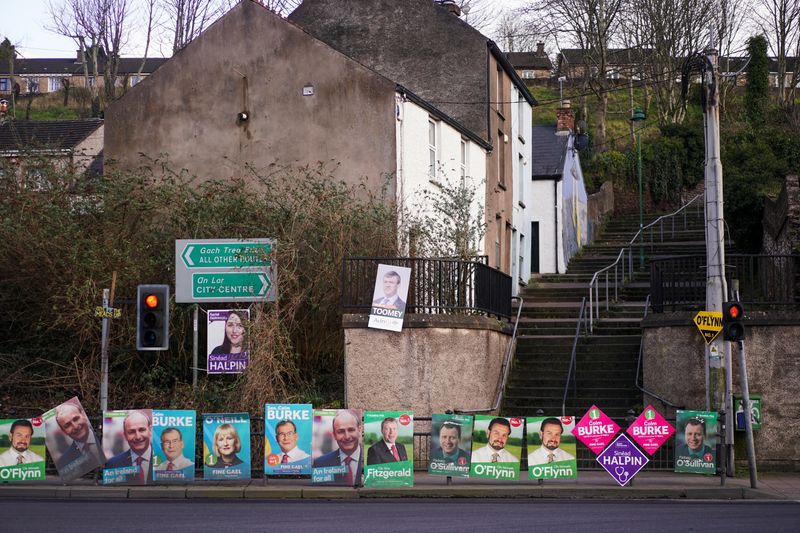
(389, 441)
(287, 439)
(227, 341)
(496, 447)
(337, 451)
(451, 445)
(127, 442)
(226, 446)
(650, 430)
(71, 440)
(622, 460)
(389, 298)
(22, 445)
(552, 447)
(696, 442)
(173, 446)
(595, 430)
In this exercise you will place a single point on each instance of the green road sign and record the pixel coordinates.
(230, 285)
(756, 412)
(226, 255)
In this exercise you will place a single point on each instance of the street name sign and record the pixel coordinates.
(709, 323)
(622, 460)
(225, 270)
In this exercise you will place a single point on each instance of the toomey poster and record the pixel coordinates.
(696, 443)
(22, 445)
(595, 429)
(173, 446)
(496, 447)
(451, 445)
(389, 441)
(227, 342)
(337, 453)
(226, 446)
(71, 440)
(650, 430)
(552, 446)
(127, 439)
(389, 297)
(287, 439)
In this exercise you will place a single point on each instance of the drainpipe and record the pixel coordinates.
(555, 219)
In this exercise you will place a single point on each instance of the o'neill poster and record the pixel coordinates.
(22, 445)
(71, 440)
(287, 439)
(389, 441)
(552, 448)
(173, 446)
(451, 445)
(496, 447)
(389, 298)
(696, 443)
(337, 453)
(227, 342)
(127, 441)
(226, 446)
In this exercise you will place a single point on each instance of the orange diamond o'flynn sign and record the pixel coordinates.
(709, 323)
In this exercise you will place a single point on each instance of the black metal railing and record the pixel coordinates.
(437, 286)
(765, 281)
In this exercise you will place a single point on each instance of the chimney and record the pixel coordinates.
(565, 120)
(78, 56)
(540, 49)
(451, 6)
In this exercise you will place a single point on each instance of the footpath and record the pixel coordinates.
(590, 485)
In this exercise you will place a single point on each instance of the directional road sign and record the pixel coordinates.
(709, 323)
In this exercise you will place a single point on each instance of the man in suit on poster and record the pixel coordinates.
(138, 431)
(347, 433)
(391, 300)
(74, 423)
(387, 450)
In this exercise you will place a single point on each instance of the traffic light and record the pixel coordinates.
(732, 325)
(152, 317)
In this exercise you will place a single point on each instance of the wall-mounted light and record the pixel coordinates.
(308, 90)
(242, 116)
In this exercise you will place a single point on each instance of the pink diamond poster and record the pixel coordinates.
(622, 460)
(595, 430)
(650, 430)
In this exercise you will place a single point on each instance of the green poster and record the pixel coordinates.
(21, 449)
(696, 442)
(552, 448)
(451, 445)
(389, 441)
(496, 447)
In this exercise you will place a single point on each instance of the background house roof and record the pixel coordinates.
(529, 60)
(549, 151)
(50, 134)
(69, 66)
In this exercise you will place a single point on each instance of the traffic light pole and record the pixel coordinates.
(747, 407)
(194, 346)
(104, 354)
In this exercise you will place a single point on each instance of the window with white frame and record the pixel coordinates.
(521, 173)
(498, 259)
(91, 81)
(136, 78)
(5, 84)
(464, 164)
(53, 84)
(521, 257)
(433, 149)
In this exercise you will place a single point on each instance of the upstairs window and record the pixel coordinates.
(433, 150)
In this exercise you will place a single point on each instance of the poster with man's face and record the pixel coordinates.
(696, 442)
(389, 441)
(71, 440)
(127, 443)
(552, 447)
(21, 449)
(496, 447)
(451, 445)
(226, 446)
(287, 439)
(389, 297)
(227, 341)
(173, 446)
(337, 451)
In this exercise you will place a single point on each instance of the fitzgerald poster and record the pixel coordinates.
(389, 441)
(496, 447)
(337, 453)
(227, 341)
(552, 448)
(173, 446)
(696, 442)
(21, 449)
(389, 297)
(451, 445)
(226, 446)
(71, 440)
(287, 439)
(127, 442)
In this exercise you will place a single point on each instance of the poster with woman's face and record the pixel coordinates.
(226, 446)
(227, 341)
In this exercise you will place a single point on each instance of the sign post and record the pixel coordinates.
(709, 323)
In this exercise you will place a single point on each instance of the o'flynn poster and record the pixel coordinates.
(552, 448)
(496, 447)
(21, 449)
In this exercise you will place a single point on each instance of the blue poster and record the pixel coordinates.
(173, 446)
(226, 446)
(287, 439)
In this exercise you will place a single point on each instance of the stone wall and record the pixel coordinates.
(600, 205)
(438, 362)
(673, 364)
(781, 220)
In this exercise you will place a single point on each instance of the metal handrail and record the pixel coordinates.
(573, 357)
(619, 263)
(639, 366)
(501, 385)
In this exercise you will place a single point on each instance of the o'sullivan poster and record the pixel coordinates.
(22, 445)
(173, 446)
(389, 298)
(696, 446)
(71, 440)
(496, 447)
(287, 439)
(451, 445)
(552, 445)
(389, 441)
(226, 446)
(338, 456)
(227, 342)
(127, 439)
